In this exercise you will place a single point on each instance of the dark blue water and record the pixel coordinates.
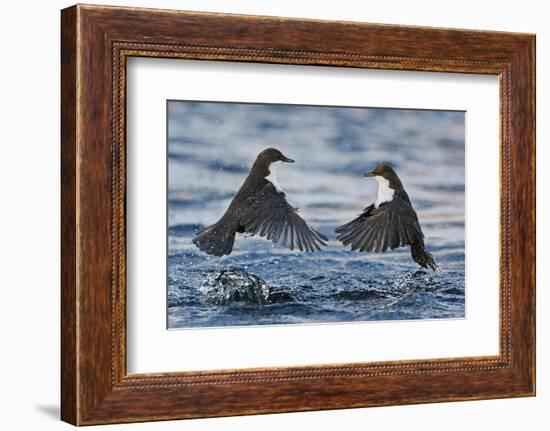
(211, 147)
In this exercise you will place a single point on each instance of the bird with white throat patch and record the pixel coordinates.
(260, 208)
(390, 222)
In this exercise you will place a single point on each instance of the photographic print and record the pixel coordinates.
(295, 214)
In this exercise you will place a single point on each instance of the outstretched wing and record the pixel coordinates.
(393, 224)
(269, 215)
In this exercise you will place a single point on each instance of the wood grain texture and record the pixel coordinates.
(69, 397)
(96, 41)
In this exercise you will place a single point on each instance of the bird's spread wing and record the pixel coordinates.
(393, 224)
(268, 214)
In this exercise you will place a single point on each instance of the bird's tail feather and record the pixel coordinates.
(422, 256)
(215, 240)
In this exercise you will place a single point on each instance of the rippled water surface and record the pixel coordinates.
(211, 147)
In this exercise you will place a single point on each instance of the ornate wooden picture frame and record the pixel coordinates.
(96, 41)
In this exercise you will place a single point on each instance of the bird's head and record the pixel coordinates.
(384, 172)
(271, 155)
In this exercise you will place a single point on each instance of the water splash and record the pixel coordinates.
(229, 286)
(413, 282)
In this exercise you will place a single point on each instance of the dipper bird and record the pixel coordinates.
(390, 222)
(260, 208)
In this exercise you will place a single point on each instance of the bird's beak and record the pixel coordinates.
(287, 160)
(368, 174)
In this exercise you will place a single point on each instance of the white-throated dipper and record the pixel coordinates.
(391, 222)
(260, 208)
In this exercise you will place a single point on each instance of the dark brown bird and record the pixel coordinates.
(260, 208)
(391, 222)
